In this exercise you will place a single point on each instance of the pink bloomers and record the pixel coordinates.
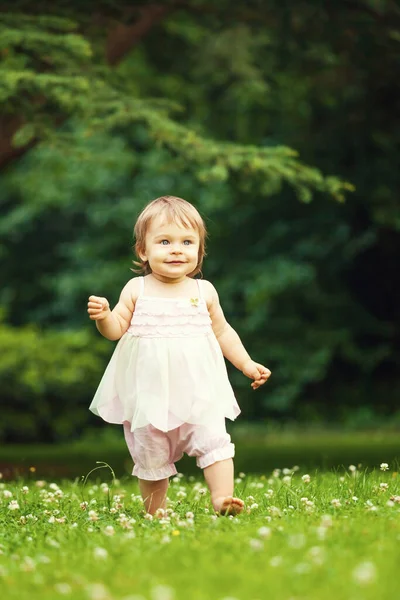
(154, 452)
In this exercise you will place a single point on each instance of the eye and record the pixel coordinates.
(164, 242)
(187, 242)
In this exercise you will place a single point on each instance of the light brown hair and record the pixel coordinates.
(176, 210)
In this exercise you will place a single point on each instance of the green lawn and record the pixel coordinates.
(336, 537)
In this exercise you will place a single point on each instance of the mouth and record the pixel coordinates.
(176, 262)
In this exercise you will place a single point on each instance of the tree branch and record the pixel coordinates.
(122, 38)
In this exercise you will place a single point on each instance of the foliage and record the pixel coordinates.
(210, 108)
(41, 378)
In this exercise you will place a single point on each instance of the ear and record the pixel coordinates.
(141, 252)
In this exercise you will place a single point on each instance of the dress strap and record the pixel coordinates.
(200, 287)
(141, 290)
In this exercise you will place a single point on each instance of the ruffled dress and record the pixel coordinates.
(167, 369)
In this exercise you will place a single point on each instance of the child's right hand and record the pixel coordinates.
(98, 308)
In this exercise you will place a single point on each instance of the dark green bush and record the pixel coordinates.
(47, 379)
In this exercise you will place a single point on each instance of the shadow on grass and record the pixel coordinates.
(255, 453)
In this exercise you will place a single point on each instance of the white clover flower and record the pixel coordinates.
(181, 494)
(165, 539)
(162, 592)
(28, 564)
(269, 493)
(276, 473)
(7, 494)
(40, 483)
(306, 478)
(93, 516)
(336, 503)
(63, 588)
(83, 505)
(256, 544)
(297, 541)
(25, 489)
(304, 500)
(365, 573)
(354, 498)
(148, 517)
(109, 530)
(264, 532)
(383, 486)
(286, 471)
(390, 503)
(100, 553)
(97, 591)
(242, 475)
(287, 479)
(202, 491)
(53, 486)
(13, 505)
(352, 468)
(254, 506)
(189, 515)
(250, 499)
(384, 467)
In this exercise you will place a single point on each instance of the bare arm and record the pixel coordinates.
(231, 344)
(112, 324)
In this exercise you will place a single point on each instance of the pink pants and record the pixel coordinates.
(154, 452)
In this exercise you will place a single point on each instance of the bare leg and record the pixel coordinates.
(154, 494)
(219, 478)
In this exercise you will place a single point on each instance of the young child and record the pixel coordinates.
(167, 381)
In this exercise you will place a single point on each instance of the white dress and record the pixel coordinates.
(167, 369)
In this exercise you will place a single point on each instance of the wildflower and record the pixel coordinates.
(383, 486)
(25, 489)
(162, 592)
(352, 468)
(336, 503)
(306, 478)
(276, 561)
(286, 471)
(276, 473)
(364, 573)
(264, 532)
(100, 553)
(40, 483)
(7, 494)
(165, 539)
(384, 466)
(83, 505)
(297, 541)
(28, 564)
(176, 532)
(395, 499)
(148, 517)
(63, 588)
(93, 516)
(181, 494)
(189, 515)
(242, 475)
(256, 544)
(109, 530)
(13, 505)
(287, 479)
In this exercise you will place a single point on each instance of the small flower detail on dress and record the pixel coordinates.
(194, 301)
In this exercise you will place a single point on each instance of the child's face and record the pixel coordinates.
(171, 249)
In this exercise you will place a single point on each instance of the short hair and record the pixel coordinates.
(176, 210)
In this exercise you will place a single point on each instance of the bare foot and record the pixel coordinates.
(228, 506)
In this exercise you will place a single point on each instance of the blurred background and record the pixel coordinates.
(281, 122)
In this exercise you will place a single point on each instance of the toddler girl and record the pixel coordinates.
(167, 381)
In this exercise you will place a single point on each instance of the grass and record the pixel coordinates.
(332, 535)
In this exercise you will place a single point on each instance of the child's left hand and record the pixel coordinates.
(255, 371)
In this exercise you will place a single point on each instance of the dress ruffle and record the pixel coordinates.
(166, 370)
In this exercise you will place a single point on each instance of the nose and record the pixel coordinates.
(176, 249)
